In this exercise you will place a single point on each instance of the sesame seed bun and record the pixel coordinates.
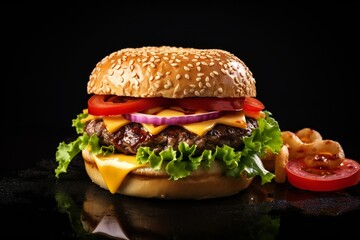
(148, 183)
(172, 72)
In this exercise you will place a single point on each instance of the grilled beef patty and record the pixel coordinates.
(132, 136)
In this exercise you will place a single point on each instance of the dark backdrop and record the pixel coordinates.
(303, 58)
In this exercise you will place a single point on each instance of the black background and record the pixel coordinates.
(303, 58)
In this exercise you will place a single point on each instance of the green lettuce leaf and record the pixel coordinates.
(67, 151)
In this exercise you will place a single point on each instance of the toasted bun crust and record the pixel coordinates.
(172, 72)
(149, 184)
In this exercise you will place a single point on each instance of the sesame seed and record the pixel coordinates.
(187, 76)
(174, 64)
(186, 68)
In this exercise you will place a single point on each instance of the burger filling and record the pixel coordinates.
(132, 136)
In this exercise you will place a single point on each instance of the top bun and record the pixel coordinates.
(172, 72)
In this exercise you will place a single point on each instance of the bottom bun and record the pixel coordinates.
(199, 185)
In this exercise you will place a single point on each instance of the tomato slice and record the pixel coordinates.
(104, 105)
(302, 176)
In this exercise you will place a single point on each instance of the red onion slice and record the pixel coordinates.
(174, 120)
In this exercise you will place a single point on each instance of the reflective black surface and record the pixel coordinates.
(303, 61)
(34, 203)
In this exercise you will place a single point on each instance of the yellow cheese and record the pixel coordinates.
(235, 119)
(114, 169)
(200, 128)
(155, 129)
(114, 123)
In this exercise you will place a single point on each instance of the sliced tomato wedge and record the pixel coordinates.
(313, 179)
(253, 105)
(105, 105)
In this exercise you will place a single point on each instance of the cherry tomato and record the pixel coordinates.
(104, 105)
(315, 179)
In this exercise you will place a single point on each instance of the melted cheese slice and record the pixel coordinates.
(114, 123)
(114, 168)
(236, 119)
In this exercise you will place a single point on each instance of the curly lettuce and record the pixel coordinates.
(67, 151)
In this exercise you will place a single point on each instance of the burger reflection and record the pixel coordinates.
(98, 214)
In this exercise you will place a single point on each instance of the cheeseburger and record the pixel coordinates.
(173, 123)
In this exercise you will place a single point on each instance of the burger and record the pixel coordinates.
(174, 123)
